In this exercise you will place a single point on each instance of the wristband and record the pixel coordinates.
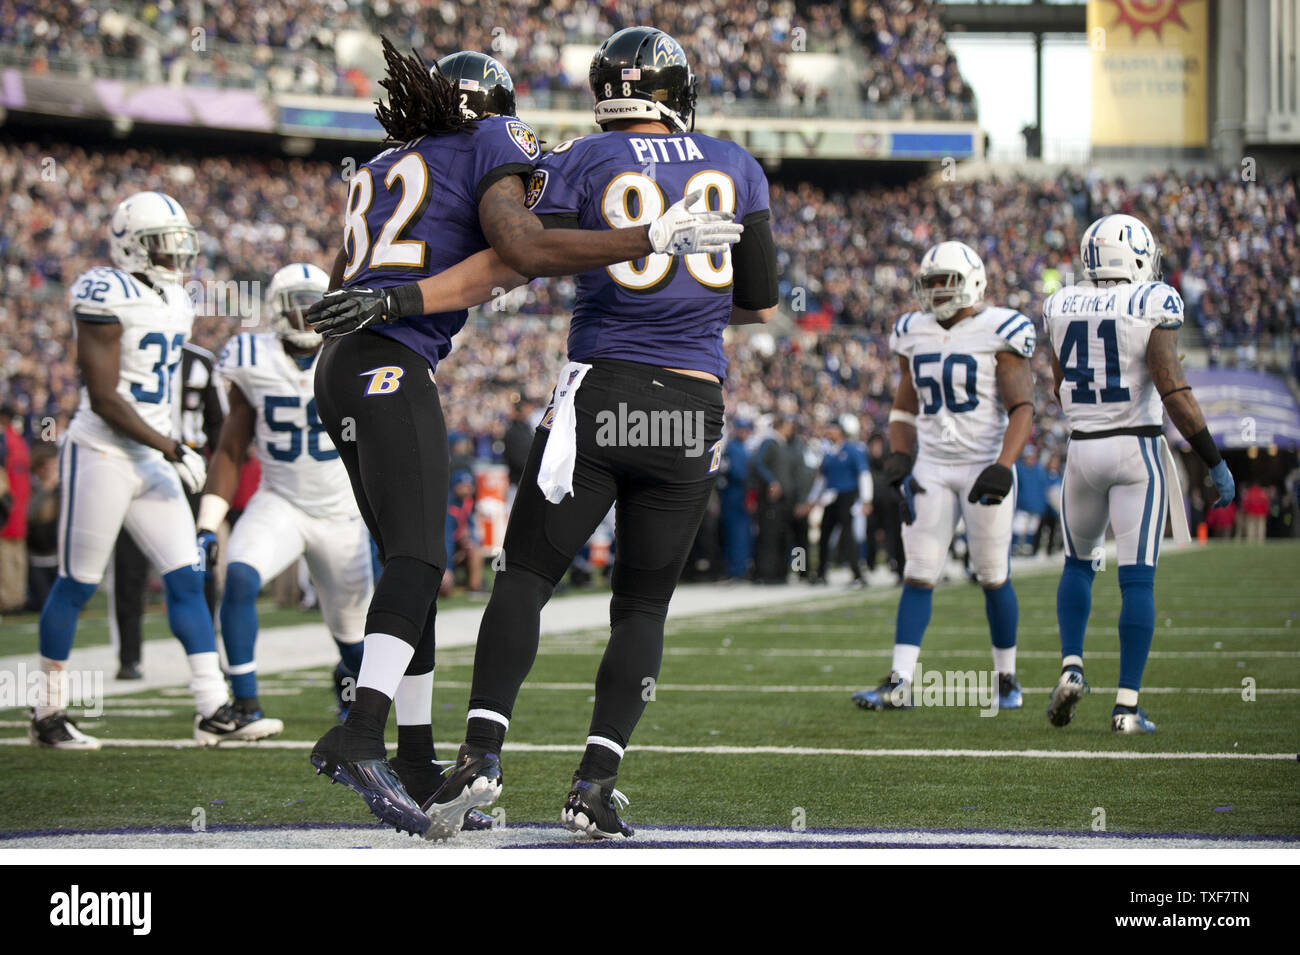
(212, 511)
(1203, 445)
(906, 417)
(1021, 404)
(406, 300)
(1175, 391)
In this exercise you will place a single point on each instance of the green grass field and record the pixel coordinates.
(782, 678)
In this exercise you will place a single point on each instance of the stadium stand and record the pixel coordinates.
(894, 53)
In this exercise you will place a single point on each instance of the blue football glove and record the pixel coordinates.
(907, 492)
(1223, 483)
(207, 542)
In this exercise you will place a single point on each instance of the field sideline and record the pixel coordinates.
(751, 739)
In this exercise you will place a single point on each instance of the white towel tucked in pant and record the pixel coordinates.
(555, 477)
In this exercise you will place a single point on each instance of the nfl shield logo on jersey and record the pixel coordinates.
(524, 138)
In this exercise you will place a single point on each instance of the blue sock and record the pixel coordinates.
(1003, 611)
(187, 611)
(1074, 604)
(913, 615)
(239, 627)
(350, 655)
(59, 616)
(1137, 622)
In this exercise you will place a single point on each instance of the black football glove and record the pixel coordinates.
(344, 311)
(992, 485)
(907, 492)
(897, 466)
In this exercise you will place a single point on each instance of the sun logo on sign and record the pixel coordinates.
(1140, 15)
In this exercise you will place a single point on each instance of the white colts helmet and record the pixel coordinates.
(150, 235)
(1119, 248)
(292, 291)
(964, 279)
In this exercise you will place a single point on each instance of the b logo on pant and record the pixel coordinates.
(383, 380)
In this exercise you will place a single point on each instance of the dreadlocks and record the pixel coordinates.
(420, 103)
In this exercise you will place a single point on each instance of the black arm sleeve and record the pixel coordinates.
(560, 220)
(753, 260)
(493, 176)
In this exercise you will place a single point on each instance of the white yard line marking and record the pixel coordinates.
(730, 750)
(534, 837)
(796, 652)
(827, 688)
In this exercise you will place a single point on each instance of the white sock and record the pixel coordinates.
(414, 700)
(206, 682)
(1004, 660)
(1126, 697)
(905, 657)
(51, 688)
(383, 663)
(1073, 660)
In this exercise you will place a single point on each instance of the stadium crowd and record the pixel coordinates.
(738, 48)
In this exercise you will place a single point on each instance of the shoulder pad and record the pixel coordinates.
(560, 149)
(517, 131)
(1018, 333)
(241, 351)
(1156, 304)
(97, 294)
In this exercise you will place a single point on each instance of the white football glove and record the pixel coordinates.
(189, 464)
(681, 232)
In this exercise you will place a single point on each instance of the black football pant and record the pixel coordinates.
(659, 494)
(839, 514)
(378, 401)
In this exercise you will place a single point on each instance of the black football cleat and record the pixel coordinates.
(590, 809)
(59, 731)
(474, 781)
(370, 778)
(1069, 689)
(233, 721)
(894, 694)
(476, 820)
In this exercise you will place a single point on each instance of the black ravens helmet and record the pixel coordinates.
(484, 86)
(642, 73)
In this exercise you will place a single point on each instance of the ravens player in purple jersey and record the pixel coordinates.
(449, 184)
(636, 419)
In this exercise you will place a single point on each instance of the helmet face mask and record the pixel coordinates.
(150, 235)
(293, 290)
(641, 73)
(951, 278)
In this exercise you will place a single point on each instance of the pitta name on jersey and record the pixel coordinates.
(658, 149)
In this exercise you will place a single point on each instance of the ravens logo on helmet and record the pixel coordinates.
(484, 85)
(642, 73)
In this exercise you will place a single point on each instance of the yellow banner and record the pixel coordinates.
(1148, 72)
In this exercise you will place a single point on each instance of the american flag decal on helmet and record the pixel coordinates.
(468, 84)
(633, 74)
